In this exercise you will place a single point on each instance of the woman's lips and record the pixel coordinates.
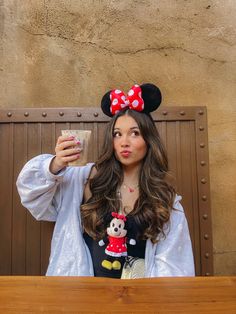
(125, 153)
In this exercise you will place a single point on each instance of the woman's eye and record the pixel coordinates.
(135, 133)
(116, 134)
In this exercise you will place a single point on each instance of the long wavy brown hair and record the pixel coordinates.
(154, 204)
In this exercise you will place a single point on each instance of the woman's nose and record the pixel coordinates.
(124, 141)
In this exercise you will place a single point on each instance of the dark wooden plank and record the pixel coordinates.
(92, 153)
(33, 234)
(47, 146)
(100, 136)
(6, 171)
(60, 126)
(19, 212)
(186, 167)
(161, 127)
(178, 153)
(189, 185)
(172, 153)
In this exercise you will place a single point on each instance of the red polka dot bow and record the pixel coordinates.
(133, 100)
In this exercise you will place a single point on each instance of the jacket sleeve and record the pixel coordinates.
(39, 189)
(174, 255)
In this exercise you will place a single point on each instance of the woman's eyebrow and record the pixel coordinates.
(132, 128)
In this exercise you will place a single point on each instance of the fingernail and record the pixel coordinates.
(78, 142)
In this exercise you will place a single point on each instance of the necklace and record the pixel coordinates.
(123, 210)
(130, 189)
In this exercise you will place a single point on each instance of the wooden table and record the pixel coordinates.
(100, 295)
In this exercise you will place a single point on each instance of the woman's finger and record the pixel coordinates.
(64, 138)
(69, 152)
(70, 158)
(66, 144)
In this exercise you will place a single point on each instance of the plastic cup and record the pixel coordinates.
(82, 136)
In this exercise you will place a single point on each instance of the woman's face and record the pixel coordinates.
(129, 145)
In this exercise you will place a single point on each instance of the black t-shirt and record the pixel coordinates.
(98, 252)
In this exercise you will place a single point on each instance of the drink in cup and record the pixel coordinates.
(82, 136)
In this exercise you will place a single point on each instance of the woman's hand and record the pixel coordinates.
(67, 150)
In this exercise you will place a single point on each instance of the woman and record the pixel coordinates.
(128, 180)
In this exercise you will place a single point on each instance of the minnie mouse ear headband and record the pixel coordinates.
(144, 98)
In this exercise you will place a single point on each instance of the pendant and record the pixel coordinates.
(129, 188)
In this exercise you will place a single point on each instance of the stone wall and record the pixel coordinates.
(70, 52)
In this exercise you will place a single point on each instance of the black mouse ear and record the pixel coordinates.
(152, 97)
(106, 104)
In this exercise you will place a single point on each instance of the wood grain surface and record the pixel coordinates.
(31, 294)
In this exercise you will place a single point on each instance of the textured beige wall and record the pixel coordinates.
(69, 52)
